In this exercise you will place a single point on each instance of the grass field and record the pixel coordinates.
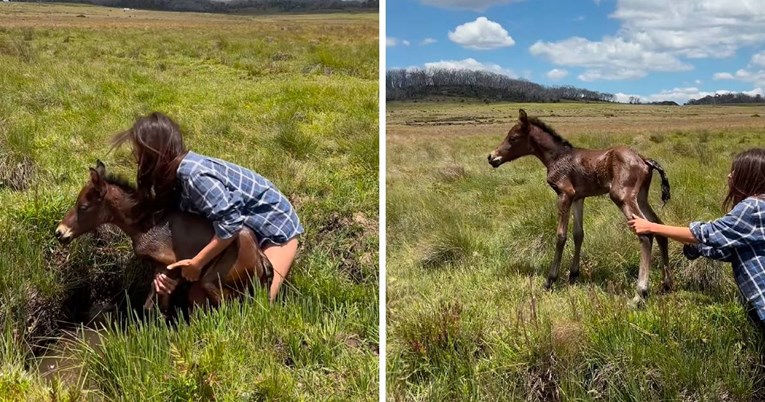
(293, 97)
(469, 248)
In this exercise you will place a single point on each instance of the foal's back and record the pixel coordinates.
(176, 236)
(594, 171)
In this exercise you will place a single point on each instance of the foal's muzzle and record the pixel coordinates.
(64, 234)
(494, 161)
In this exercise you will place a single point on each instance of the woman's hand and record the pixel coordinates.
(164, 285)
(640, 225)
(190, 269)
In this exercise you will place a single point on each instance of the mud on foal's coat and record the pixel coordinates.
(173, 236)
(577, 173)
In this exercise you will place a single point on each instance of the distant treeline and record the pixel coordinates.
(726, 98)
(222, 6)
(408, 84)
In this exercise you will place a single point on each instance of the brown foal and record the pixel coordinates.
(576, 173)
(166, 239)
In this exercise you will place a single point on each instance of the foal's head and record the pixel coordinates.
(91, 210)
(515, 144)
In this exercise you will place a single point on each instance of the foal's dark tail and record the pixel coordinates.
(664, 181)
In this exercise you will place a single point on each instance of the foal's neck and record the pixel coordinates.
(124, 214)
(547, 148)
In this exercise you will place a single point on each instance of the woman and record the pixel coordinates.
(228, 195)
(738, 237)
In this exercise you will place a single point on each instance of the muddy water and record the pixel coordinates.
(61, 362)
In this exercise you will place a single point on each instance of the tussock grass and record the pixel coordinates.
(469, 248)
(278, 94)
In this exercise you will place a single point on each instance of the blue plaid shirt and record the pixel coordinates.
(738, 238)
(231, 196)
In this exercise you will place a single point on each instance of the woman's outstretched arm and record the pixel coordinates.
(678, 233)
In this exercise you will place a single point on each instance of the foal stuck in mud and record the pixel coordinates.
(163, 240)
(577, 173)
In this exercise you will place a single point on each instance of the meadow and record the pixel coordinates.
(469, 247)
(293, 97)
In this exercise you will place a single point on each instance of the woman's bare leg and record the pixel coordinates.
(281, 258)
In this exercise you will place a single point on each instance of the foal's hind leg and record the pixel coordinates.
(578, 208)
(667, 282)
(629, 208)
(250, 263)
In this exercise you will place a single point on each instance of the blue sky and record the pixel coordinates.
(655, 49)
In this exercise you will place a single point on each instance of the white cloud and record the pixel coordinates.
(753, 73)
(392, 42)
(759, 59)
(474, 5)
(655, 35)
(624, 98)
(611, 74)
(681, 95)
(692, 28)
(556, 74)
(610, 59)
(481, 34)
(755, 77)
(469, 64)
(428, 41)
(722, 76)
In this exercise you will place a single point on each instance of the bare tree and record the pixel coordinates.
(403, 84)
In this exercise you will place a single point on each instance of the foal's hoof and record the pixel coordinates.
(667, 287)
(637, 303)
(572, 278)
(549, 283)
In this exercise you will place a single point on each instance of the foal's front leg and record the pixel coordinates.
(564, 207)
(578, 207)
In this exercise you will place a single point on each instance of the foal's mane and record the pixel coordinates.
(146, 215)
(120, 181)
(549, 130)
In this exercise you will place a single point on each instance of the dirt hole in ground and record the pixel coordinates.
(16, 174)
(344, 237)
(108, 282)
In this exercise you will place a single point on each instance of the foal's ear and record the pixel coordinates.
(95, 176)
(98, 181)
(522, 117)
(100, 168)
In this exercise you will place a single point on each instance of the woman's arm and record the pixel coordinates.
(677, 233)
(193, 267)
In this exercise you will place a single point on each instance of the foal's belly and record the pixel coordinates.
(592, 184)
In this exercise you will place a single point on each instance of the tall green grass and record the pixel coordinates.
(272, 94)
(469, 248)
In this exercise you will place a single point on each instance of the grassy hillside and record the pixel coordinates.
(293, 97)
(469, 248)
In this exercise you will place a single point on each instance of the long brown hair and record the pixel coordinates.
(158, 149)
(747, 177)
